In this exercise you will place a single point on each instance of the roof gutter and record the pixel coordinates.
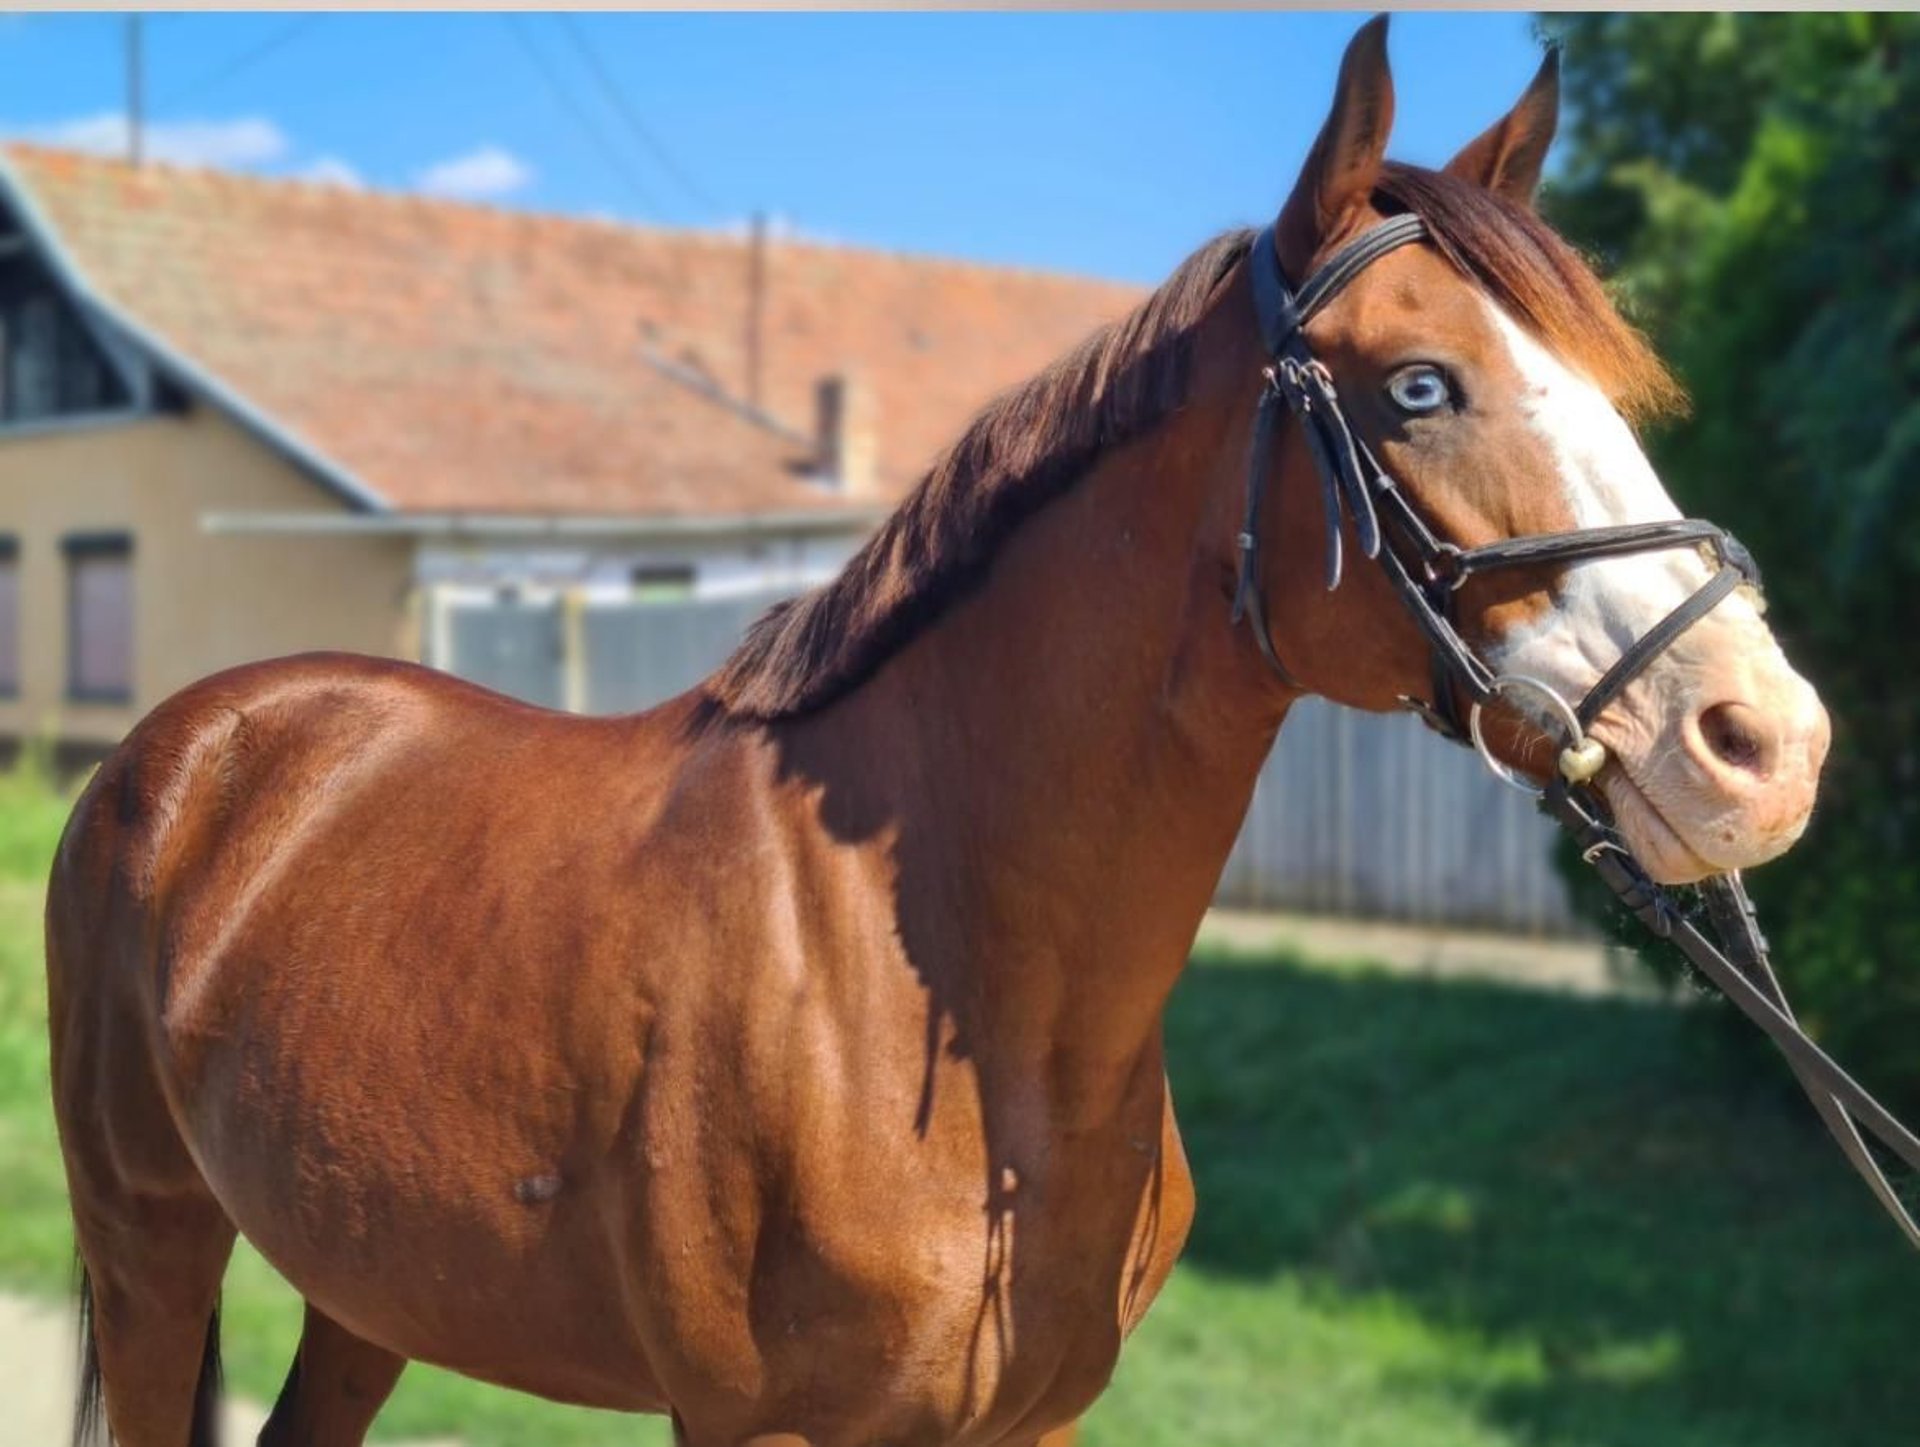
(182, 370)
(521, 527)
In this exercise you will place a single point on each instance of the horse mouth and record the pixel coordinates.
(1663, 851)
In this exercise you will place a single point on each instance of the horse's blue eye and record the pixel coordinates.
(1419, 389)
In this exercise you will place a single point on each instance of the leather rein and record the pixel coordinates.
(1426, 573)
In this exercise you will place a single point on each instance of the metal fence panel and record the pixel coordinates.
(511, 645)
(639, 654)
(1374, 815)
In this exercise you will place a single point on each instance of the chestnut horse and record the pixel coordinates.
(788, 1058)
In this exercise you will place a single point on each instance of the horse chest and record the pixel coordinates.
(981, 1305)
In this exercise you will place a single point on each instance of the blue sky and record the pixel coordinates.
(1106, 144)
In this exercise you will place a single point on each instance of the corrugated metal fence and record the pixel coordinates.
(640, 653)
(1355, 814)
(1373, 815)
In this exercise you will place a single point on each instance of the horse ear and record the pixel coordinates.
(1508, 155)
(1345, 160)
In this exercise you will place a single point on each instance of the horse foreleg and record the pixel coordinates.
(334, 1390)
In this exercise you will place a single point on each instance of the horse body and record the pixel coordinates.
(600, 1060)
(789, 1057)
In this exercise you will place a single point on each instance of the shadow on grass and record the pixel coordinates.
(1634, 1192)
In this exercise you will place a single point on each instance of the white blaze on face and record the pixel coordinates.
(1603, 604)
(1687, 805)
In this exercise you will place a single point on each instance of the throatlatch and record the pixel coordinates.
(1427, 573)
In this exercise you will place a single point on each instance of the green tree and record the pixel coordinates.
(1753, 182)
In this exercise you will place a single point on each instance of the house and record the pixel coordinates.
(570, 459)
(244, 417)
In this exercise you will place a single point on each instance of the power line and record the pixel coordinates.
(581, 118)
(610, 89)
(244, 61)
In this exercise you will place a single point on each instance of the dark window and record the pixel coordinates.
(33, 361)
(50, 364)
(662, 582)
(100, 617)
(82, 372)
(9, 617)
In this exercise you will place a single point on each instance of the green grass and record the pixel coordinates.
(1437, 1213)
(35, 1241)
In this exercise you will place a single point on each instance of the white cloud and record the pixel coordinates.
(481, 173)
(244, 141)
(330, 171)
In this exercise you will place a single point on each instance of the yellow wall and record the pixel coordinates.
(201, 601)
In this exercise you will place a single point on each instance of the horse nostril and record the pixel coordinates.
(1737, 737)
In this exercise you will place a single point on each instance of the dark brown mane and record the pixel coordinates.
(1036, 440)
(1026, 448)
(1537, 278)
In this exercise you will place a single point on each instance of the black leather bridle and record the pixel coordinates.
(1426, 573)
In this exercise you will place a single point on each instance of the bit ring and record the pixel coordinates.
(1558, 709)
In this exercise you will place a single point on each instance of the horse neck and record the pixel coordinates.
(1064, 759)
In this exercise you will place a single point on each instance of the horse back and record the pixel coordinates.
(335, 819)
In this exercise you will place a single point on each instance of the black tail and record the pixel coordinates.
(206, 1393)
(87, 1404)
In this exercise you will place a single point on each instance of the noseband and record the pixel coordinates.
(1427, 573)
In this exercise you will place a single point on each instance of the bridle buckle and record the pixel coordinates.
(1444, 566)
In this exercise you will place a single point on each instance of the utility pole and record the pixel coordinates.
(756, 301)
(135, 100)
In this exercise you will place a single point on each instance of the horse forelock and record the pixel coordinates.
(1539, 280)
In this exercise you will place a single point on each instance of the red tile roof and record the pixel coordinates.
(460, 357)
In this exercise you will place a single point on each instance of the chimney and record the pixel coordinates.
(844, 432)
